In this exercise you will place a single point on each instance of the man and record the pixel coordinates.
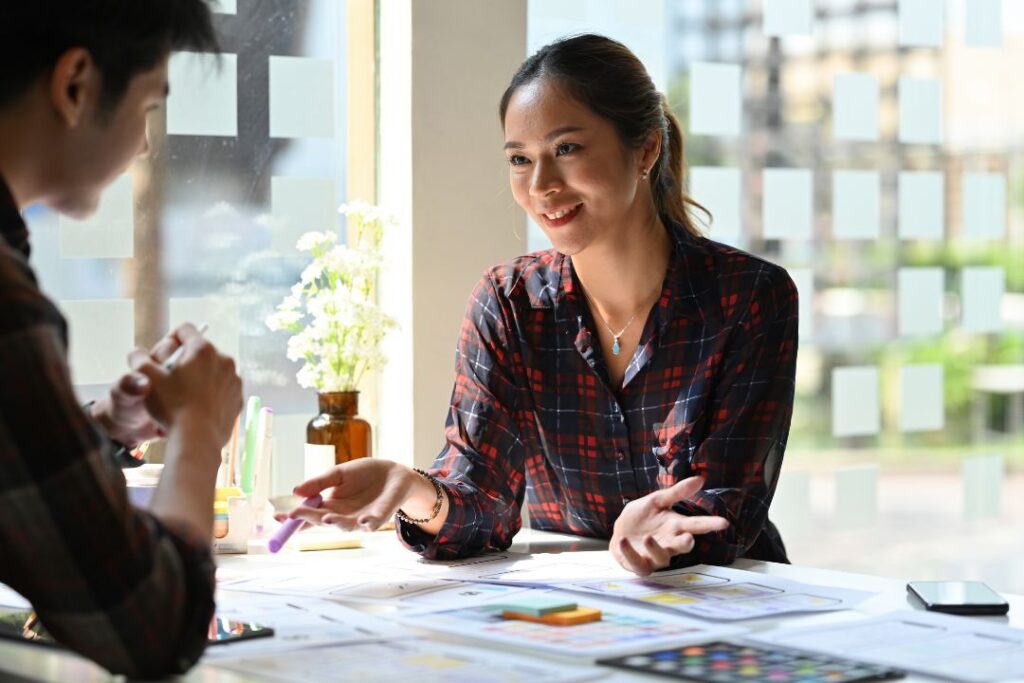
(131, 589)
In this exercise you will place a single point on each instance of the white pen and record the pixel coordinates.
(176, 356)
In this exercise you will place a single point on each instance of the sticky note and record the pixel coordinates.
(982, 478)
(856, 202)
(537, 607)
(224, 6)
(921, 210)
(791, 505)
(803, 278)
(222, 314)
(102, 335)
(920, 111)
(716, 101)
(922, 407)
(855, 107)
(984, 205)
(204, 95)
(857, 497)
(981, 298)
(300, 205)
(983, 23)
(301, 97)
(788, 207)
(920, 297)
(855, 404)
(921, 22)
(582, 615)
(787, 17)
(719, 191)
(109, 233)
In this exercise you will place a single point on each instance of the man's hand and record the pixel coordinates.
(649, 532)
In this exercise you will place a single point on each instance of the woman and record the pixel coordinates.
(635, 382)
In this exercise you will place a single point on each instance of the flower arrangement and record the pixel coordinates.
(336, 326)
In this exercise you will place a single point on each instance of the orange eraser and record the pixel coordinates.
(582, 615)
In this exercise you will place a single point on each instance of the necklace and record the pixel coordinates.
(616, 347)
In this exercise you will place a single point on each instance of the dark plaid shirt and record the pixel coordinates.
(709, 391)
(108, 580)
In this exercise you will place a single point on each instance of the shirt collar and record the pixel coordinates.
(690, 289)
(12, 227)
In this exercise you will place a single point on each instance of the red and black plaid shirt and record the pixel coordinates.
(709, 391)
(109, 581)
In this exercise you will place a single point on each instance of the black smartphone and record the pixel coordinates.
(958, 597)
(23, 625)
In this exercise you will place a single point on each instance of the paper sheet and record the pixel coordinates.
(623, 629)
(413, 660)
(298, 623)
(921, 642)
(11, 598)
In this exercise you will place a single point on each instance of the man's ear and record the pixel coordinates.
(74, 85)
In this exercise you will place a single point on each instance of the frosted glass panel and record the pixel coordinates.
(715, 102)
(855, 404)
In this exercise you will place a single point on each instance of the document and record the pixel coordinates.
(939, 645)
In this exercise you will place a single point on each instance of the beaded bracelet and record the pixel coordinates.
(437, 503)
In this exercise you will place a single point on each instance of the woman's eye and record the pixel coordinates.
(565, 148)
(517, 160)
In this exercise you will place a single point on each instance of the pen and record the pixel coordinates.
(290, 526)
(176, 356)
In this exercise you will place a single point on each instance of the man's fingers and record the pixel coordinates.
(681, 490)
(133, 384)
(311, 487)
(705, 525)
(633, 561)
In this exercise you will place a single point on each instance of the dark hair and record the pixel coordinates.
(124, 37)
(607, 77)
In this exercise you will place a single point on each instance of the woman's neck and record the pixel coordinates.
(623, 275)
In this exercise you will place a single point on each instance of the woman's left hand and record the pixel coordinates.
(649, 532)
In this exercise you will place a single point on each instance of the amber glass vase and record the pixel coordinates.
(338, 425)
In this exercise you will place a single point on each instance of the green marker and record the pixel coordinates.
(252, 420)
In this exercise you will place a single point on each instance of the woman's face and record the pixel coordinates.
(569, 169)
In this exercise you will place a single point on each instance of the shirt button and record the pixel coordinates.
(621, 455)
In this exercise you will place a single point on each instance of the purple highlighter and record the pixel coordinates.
(290, 526)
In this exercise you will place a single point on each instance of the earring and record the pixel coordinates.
(643, 174)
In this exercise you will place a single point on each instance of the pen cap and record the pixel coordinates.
(252, 418)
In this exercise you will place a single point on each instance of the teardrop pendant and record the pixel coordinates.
(616, 349)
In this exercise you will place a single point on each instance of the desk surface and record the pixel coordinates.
(31, 663)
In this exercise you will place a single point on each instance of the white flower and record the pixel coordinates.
(311, 240)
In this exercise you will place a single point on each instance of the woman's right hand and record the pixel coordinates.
(364, 493)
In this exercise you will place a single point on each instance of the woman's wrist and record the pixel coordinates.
(425, 498)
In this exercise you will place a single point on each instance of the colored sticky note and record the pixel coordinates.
(855, 107)
(788, 207)
(301, 205)
(536, 608)
(787, 17)
(856, 497)
(719, 191)
(582, 615)
(920, 297)
(855, 404)
(221, 314)
(984, 205)
(922, 403)
(921, 22)
(920, 110)
(109, 233)
(803, 278)
(982, 478)
(921, 209)
(301, 97)
(716, 101)
(204, 94)
(983, 23)
(103, 333)
(856, 202)
(224, 6)
(981, 298)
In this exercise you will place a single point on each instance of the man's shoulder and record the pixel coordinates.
(22, 302)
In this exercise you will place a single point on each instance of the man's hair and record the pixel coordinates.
(124, 37)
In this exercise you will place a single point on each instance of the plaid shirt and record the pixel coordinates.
(709, 391)
(109, 581)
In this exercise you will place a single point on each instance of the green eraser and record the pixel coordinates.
(535, 608)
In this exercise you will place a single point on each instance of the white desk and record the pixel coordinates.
(33, 663)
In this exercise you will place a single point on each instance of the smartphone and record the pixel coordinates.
(23, 625)
(958, 597)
